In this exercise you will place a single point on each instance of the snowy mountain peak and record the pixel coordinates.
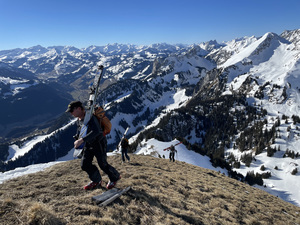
(267, 39)
(254, 50)
(210, 45)
(292, 36)
(37, 48)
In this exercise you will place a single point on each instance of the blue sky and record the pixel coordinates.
(26, 23)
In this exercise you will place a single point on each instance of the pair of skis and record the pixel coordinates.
(109, 196)
(94, 91)
(119, 145)
(168, 148)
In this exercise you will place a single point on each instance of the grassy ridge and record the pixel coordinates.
(162, 193)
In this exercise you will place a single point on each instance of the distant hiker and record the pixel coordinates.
(95, 145)
(124, 149)
(172, 153)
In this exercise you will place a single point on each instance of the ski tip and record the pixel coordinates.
(128, 188)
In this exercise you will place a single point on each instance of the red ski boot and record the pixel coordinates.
(92, 185)
(111, 184)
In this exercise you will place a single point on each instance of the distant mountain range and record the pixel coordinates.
(232, 101)
(66, 72)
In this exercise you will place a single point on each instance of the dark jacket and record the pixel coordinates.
(94, 131)
(124, 143)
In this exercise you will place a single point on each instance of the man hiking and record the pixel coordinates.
(172, 153)
(124, 149)
(95, 146)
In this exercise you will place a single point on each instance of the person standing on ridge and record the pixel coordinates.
(95, 146)
(124, 149)
(172, 153)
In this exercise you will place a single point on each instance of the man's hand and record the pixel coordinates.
(78, 142)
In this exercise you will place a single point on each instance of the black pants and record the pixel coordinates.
(172, 156)
(98, 149)
(124, 154)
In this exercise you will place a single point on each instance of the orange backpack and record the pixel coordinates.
(103, 120)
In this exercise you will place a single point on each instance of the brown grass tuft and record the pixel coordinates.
(41, 214)
(162, 193)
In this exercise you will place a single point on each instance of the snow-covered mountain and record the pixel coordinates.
(236, 102)
(67, 71)
(54, 61)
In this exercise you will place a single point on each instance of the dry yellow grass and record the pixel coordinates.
(162, 193)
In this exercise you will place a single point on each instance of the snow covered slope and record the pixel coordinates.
(284, 185)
